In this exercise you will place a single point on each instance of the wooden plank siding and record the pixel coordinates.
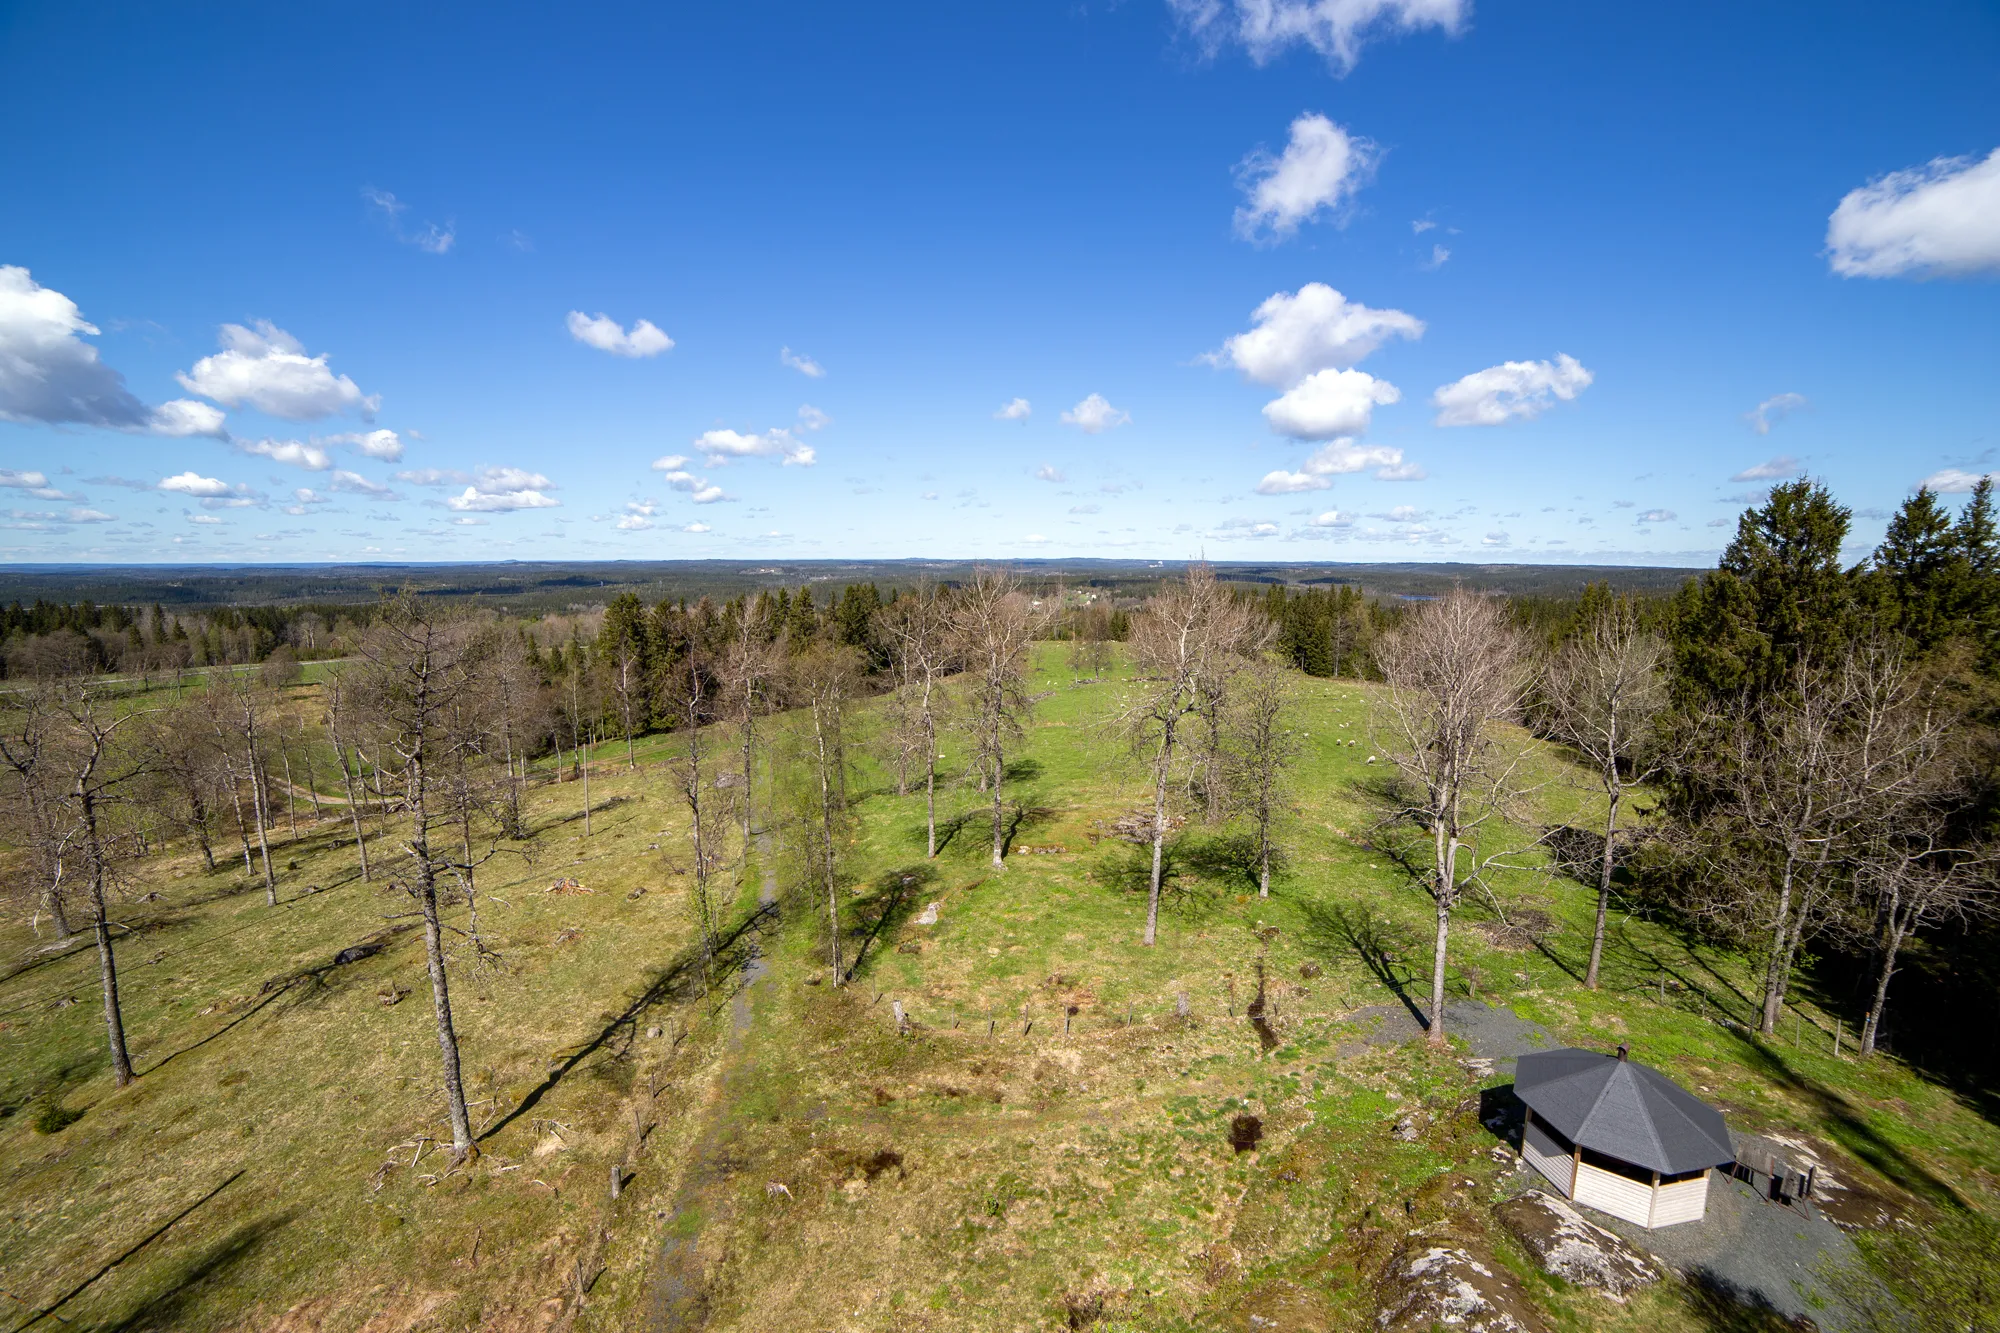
(1549, 1155)
(1619, 1195)
(1681, 1201)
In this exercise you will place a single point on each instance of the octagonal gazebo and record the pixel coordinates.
(1618, 1136)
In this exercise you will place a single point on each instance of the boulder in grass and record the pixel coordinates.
(1444, 1286)
(1569, 1246)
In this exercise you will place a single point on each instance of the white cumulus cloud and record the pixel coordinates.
(353, 483)
(676, 475)
(180, 418)
(1955, 481)
(608, 335)
(1016, 409)
(1321, 168)
(1049, 472)
(476, 501)
(719, 446)
(499, 490)
(1094, 415)
(1937, 220)
(802, 363)
(811, 418)
(1333, 459)
(697, 528)
(297, 453)
(512, 479)
(634, 523)
(1657, 516)
(1511, 391)
(1315, 328)
(1335, 29)
(193, 483)
(50, 375)
(268, 369)
(1329, 403)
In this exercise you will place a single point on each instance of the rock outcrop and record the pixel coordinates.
(1431, 1286)
(1573, 1248)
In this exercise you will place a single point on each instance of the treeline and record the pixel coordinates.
(1830, 761)
(58, 638)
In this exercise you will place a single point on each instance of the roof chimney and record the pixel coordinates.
(1621, 1050)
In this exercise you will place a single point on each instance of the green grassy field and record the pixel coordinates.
(1047, 1145)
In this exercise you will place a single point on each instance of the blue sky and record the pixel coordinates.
(1269, 279)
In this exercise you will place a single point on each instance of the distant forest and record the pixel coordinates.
(542, 588)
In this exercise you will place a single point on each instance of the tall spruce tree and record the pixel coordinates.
(1779, 596)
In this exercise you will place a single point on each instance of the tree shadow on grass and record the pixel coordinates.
(55, 1307)
(1335, 928)
(1128, 868)
(1225, 858)
(202, 1274)
(301, 987)
(888, 903)
(1621, 939)
(576, 816)
(1023, 770)
(1850, 1126)
(947, 829)
(1020, 816)
(679, 979)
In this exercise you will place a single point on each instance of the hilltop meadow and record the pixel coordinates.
(1045, 1141)
(996, 955)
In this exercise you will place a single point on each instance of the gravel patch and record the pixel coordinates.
(1496, 1037)
(1762, 1253)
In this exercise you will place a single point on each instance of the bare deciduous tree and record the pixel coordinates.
(992, 624)
(516, 702)
(1262, 749)
(823, 681)
(26, 746)
(1913, 882)
(917, 625)
(1454, 668)
(1605, 691)
(748, 667)
(1188, 631)
(340, 703)
(690, 694)
(580, 713)
(187, 769)
(421, 671)
(94, 771)
(1786, 783)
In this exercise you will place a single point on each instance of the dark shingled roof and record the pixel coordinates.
(1622, 1109)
